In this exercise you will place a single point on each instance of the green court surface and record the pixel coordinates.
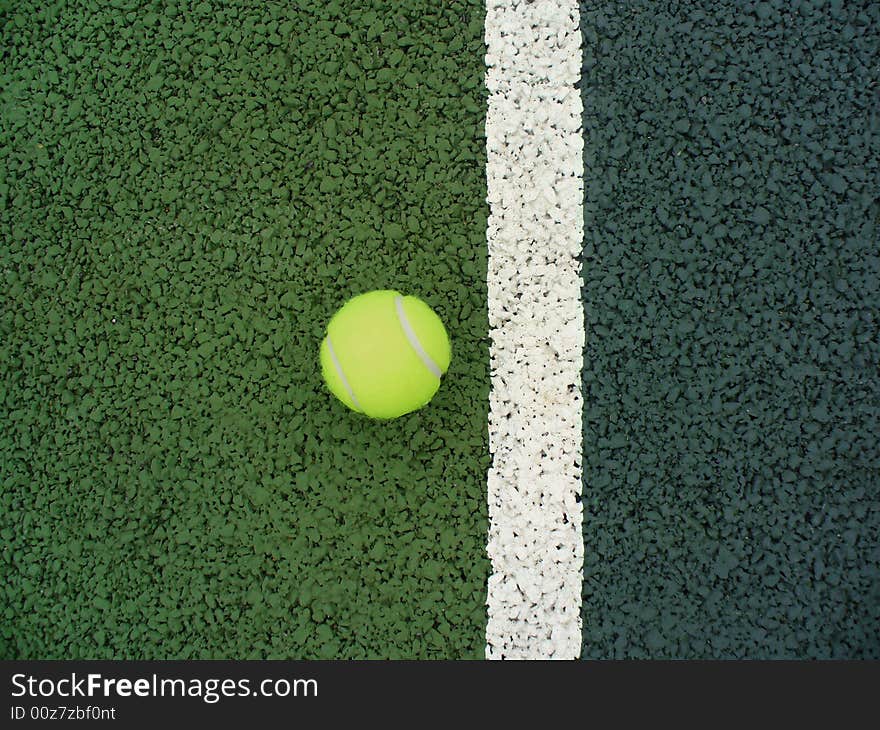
(732, 300)
(188, 192)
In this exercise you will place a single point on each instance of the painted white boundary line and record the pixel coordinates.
(536, 322)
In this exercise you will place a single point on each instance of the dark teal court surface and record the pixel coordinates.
(732, 303)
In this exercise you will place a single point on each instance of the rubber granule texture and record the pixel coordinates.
(732, 396)
(188, 191)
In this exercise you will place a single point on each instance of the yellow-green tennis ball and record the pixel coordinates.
(384, 354)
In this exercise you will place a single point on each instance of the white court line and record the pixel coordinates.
(536, 321)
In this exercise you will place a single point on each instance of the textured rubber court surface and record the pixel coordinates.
(731, 292)
(189, 190)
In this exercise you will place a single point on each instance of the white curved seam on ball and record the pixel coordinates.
(414, 340)
(341, 374)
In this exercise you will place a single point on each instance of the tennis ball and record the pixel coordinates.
(384, 354)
